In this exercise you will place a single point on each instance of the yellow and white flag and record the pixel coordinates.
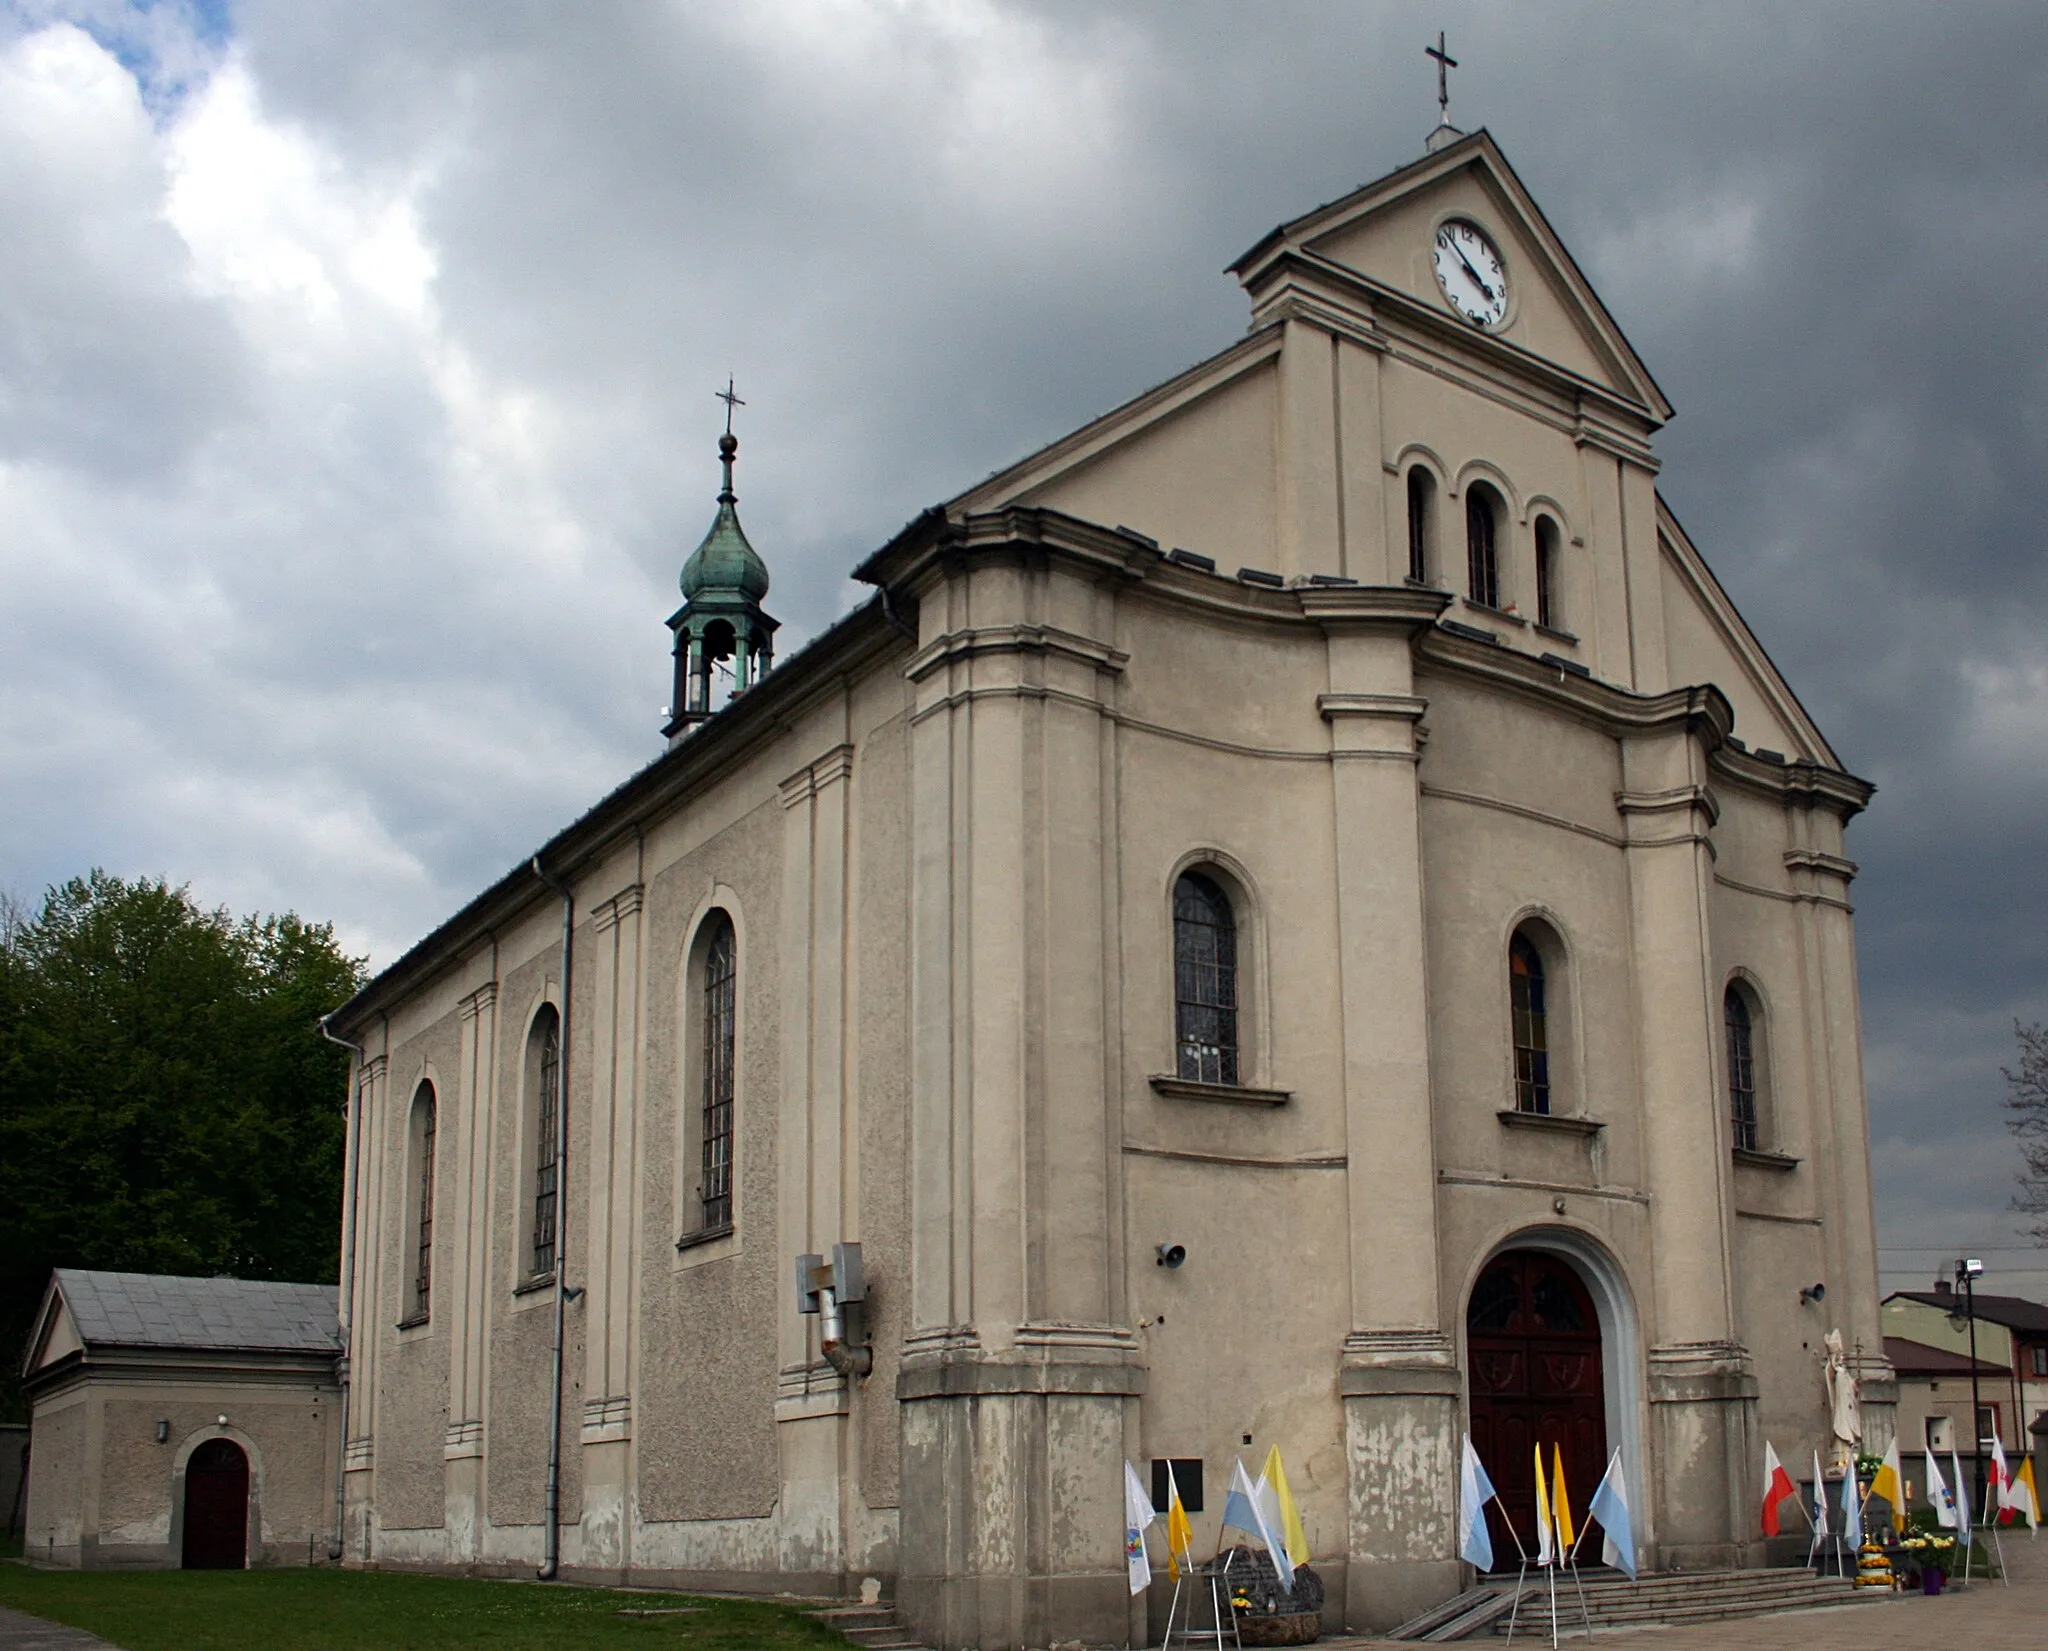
(1561, 1512)
(1546, 1538)
(1276, 1501)
(2023, 1486)
(1890, 1483)
(1180, 1535)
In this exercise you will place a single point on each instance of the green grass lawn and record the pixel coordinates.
(334, 1610)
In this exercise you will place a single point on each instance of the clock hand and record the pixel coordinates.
(1470, 270)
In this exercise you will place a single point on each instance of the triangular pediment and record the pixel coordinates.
(1378, 241)
(55, 1334)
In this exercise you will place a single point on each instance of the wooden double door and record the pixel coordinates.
(1533, 1347)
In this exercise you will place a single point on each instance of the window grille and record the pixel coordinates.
(423, 1272)
(546, 1169)
(1741, 1071)
(721, 982)
(1204, 981)
(1420, 487)
(1482, 562)
(1531, 1027)
(1547, 610)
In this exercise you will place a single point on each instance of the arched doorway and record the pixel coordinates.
(217, 1507)
(1533, 1347)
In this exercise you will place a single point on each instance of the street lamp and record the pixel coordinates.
(1967, 1274)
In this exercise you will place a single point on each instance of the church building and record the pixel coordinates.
(1298, 914)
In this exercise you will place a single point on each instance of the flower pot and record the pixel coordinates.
(1931, 1579)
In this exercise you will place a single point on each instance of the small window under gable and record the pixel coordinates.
(1482, 545)
(1421, 521)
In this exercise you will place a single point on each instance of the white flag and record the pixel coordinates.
(2003, 1498)
(1267, 1500)
(1937, 1493)
(1820, 1500)
(1475, 1490)
(1965, 1518)
(1138, 1513)
(1241, 1511)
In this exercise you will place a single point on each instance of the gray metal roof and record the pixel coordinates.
(154, 1310)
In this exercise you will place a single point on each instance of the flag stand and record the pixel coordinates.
(1189, 1634)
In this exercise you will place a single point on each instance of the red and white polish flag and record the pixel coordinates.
(1778, 1488)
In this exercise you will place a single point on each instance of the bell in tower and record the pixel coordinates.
(721, 618)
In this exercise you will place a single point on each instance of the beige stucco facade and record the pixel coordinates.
(947, 836)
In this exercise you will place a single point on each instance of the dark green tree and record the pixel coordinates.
(167, 1104)
(2027, 1099)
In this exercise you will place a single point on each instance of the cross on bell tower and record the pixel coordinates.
(721, 617)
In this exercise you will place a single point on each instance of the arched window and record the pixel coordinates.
(1740, 1024)
(422, 1144)
(1531, 1026)
(1421, 519)
(1482, 555)
(721, 1005)
(545, 1074)
(1204, 980)
(1549, 610)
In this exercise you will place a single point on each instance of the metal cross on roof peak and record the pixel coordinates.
(1444, 64)
(731, 401)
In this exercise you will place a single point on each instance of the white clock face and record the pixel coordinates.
(1470, 272)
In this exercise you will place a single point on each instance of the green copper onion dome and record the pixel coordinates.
(725, 563)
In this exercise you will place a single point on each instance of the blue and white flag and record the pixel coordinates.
(1138, 1514)
(1852, 1508)
(1820, 1501)
(1963, 1536)
(1241, 1511)
(1937, 1494)
(1610, 1506)
(1475, 1490)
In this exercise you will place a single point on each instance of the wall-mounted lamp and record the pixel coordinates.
(1172, 1255)
(163, 1433)
(1813, 1292)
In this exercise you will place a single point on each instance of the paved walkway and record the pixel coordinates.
(21, 1632)
(1988, 1614)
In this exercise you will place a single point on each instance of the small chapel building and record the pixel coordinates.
(1297, 914)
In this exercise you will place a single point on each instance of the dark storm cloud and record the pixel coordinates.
(341, 497)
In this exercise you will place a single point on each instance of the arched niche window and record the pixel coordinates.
(420, 1155)
(1528, 993)
(1742, 1021)
(1483, 513)
(1421, 522)
(544, 1108)
(1549, 606)
(1205, 980)
(707, 1115)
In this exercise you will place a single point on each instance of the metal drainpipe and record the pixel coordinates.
(551, 1517)
(347, 1291)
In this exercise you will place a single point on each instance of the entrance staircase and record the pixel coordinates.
(873, 1626)
(1612, 1601)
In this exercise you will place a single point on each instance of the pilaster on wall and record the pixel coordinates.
(1820, 876)
(466, 1299)
(607, 1422)
(1398, 1378)
(817, 1154)
(358, 1453)
(1701, 1389)
(1016, 1380)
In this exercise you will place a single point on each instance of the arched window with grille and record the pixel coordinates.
(421, 1143)
(717, 1060)
(544, 1074)
(1531, 1014)
(1205, 981)
(1743, 1112)
(1421, 521)
(1482, 545)
(1549, 606)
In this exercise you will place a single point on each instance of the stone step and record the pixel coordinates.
(871, 1627)
(1535, 1615)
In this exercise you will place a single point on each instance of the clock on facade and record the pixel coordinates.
(1470, 272)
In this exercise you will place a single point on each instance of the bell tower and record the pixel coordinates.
(721, 617)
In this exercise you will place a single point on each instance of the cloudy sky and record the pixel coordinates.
(356, 365)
